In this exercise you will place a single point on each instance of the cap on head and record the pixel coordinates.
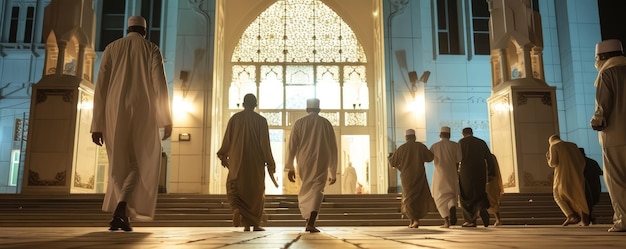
(611, 45)
(409, 132)
(137, 21)
(313, 103)
(445, 129)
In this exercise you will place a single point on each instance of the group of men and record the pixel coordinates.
(464, 171)
(131, 106)
(246, 151)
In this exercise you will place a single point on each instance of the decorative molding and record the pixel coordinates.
(510, 183)
(34, 180)
(42, 94)
(398, 6)
(89, 185)
(546, 98)
(529, 180)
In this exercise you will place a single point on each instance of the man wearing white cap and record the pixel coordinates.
(446, 178)
(610, 120)
(131, 104)
(409, 159)
(312, 144)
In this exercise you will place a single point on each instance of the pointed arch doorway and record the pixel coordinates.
(286, 51)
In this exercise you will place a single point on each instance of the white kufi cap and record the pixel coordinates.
(409, 132)
(610, 45)
(445, 129)
(313, 103)
(136, 21)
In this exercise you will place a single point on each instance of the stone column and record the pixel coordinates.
(522, 107)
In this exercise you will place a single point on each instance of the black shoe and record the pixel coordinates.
(453, 216)
(484, 215)
(120, 223)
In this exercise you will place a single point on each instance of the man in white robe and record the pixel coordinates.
(245, 151)
(568, 186)
(446, 178)
(349, 180)
(131, 103)
(313, 145)
(409, 159)
(610, 119)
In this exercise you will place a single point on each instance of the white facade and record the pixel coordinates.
(196, 42)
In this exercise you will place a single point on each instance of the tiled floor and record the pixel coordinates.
(330, 237)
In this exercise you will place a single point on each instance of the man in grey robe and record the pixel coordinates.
(610, 119)
(477, 168)
(314, 147)
(245, 152)
(446, 177)
(409, 159)
(131, 104)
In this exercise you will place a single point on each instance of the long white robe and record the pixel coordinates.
(131, 103)
(314, 146)
(610, 111)
(569, 182)
(349, 180)
(445, 177)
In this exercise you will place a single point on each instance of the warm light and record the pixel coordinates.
(501, 107)
(85, 105)
(182, 105)
(416, 106)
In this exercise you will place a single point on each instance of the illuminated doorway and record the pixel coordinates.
(292, 50)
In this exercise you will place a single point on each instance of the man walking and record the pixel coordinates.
(409, 159)
(610, 119)
(569, 183)
(313, 145)
(446, 177)
(477, 168)
(131, 103)
(245, 151)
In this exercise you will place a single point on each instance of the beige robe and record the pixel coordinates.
(313, 145)
(409, 159)
(445, 177)
(569, 182)
(495, 189)
(246, 147)
(131, 103)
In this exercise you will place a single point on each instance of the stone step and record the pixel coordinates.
(281, 210)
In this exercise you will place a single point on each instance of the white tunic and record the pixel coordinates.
(445, 177)
(131, 103)
(314, 146)
(610, 112)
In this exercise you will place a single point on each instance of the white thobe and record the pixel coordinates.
(445, 177)
(314, 147)
(349, 180)
(131, 103)
(610, 112)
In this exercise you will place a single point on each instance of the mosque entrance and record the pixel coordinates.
(300, 49)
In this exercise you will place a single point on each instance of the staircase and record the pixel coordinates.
(194, 210)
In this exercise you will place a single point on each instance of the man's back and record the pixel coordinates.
(446, 152)
(313, 135)
(611, 96)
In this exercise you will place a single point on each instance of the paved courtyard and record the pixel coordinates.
(595, 236)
